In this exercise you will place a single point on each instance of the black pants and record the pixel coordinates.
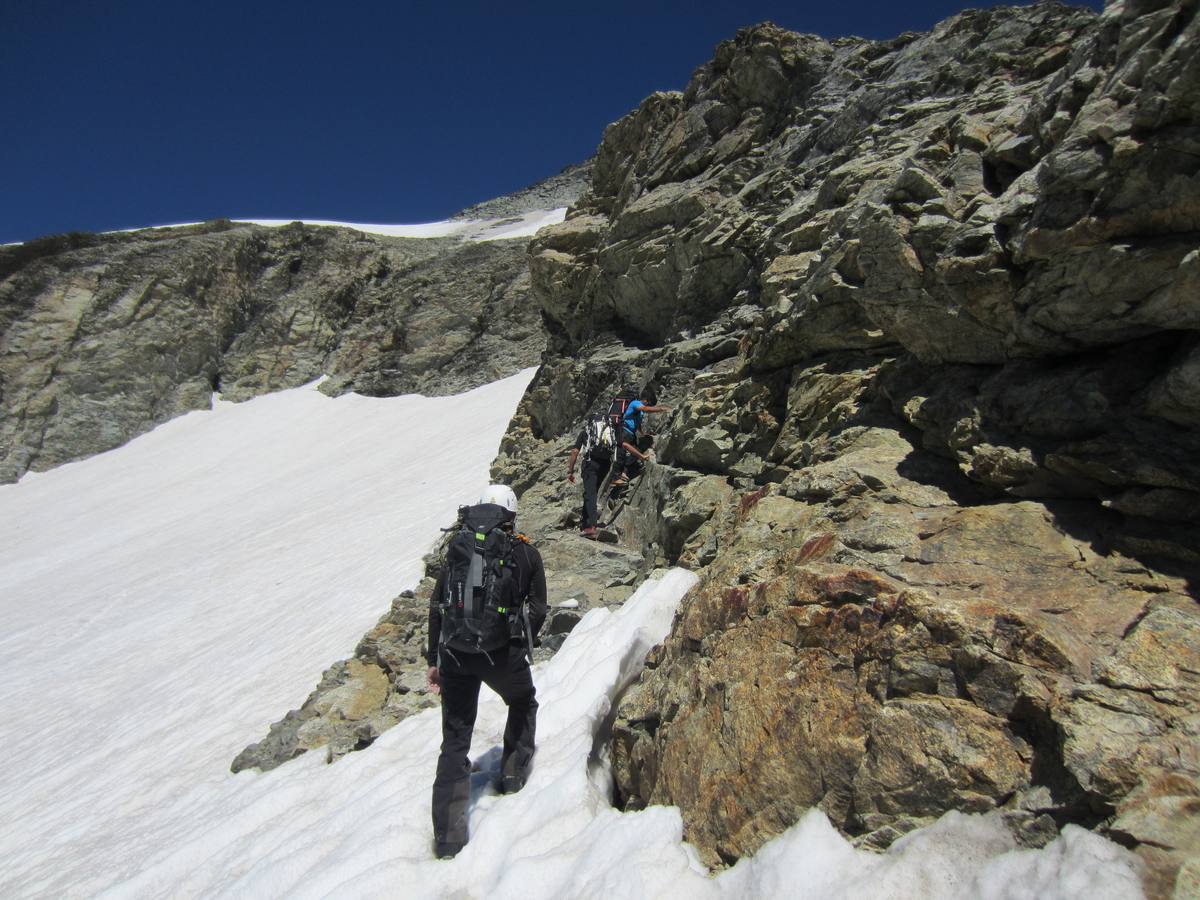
(591, 475)
(627, 464)
(509, 676)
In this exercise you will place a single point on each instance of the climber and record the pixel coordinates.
(630, 421)
(484, 616)
(603, 436)
(595, 442)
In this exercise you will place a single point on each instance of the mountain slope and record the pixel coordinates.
(926, 311)
(104, 336)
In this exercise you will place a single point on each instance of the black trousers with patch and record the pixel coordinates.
(508, 674)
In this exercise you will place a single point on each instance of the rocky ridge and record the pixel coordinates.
(102, 337)
(554, 192)
(927, 313)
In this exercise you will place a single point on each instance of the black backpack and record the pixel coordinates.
(480, 606)
(616, 409)
(599, 437)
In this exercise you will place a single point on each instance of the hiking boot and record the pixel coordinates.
(510, 784)
(589, 533)
(447, 850)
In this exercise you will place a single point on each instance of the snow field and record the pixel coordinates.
(162, 603)
(519, 226)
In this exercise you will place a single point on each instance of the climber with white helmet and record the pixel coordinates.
(484, 616)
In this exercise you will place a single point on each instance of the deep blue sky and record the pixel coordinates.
(124, 114)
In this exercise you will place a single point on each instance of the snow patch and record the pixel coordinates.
(524, 225)
(477, 230)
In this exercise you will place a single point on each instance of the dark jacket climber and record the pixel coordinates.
(596, 464)
(457, 675)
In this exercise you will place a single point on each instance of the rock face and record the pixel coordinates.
(926, 311)
(102, 337)
(555, 192)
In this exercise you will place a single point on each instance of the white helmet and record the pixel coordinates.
(501, 495)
